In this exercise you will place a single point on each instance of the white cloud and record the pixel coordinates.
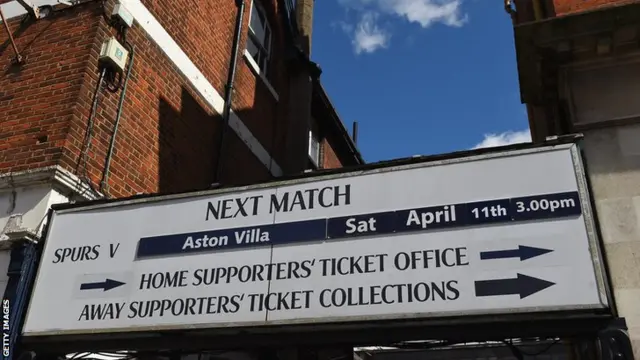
(368, 36)
(505, 138)
(427, 12)
(423, 12)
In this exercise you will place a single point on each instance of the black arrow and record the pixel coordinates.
(105, 285)
(523, 252)
(523, 285)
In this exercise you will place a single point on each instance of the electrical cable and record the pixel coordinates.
(80, 355)
(517, 352)
(107, 165)
(86, 147)
(114, 81)
(92, 355)
(541, 351)
(112, 85)
(111, 354)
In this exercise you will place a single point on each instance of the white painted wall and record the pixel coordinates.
(29, 204)
(27, 207)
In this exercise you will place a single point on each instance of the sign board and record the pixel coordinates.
(491, 234)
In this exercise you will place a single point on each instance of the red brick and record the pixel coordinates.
(168, 136)
(552, 8)
(565, 7)
(330, 158)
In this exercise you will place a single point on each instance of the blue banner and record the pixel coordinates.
(499, 211)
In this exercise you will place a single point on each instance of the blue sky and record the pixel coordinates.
(420, 76)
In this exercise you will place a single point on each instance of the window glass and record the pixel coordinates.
(314, 148)
(259, 42)
(257, 24)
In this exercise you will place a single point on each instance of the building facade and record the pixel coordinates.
(73, 129)
(579, 69)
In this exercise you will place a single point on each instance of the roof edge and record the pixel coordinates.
(338, 123)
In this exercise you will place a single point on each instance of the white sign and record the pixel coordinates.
(493, 234)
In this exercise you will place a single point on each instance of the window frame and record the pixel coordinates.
(314, 156)
(263, 64)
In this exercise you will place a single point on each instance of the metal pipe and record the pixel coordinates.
(83, 160)
(354, 133)
(228, 88)
(112, 143)
(13, 43)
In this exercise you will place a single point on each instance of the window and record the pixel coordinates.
(259, 41)
(603, 93)
(314, 149)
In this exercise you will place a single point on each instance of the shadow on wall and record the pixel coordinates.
(19, 27)
(187, 145)
(189, 141)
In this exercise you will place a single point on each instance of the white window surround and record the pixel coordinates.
(181, 61)
(314, 148)
(256, 70)
(259, 36)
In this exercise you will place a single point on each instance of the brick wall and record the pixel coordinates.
(38, 99)
(552, 8)
(565, 7)
(335, 143)
(330, 159)
(168, 137)
(209, 48)
(304, 14)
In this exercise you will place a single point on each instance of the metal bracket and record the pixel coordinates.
(31, 9)
(18, 58)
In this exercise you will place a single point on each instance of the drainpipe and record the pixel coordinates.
(228, 88)
(107, 166)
